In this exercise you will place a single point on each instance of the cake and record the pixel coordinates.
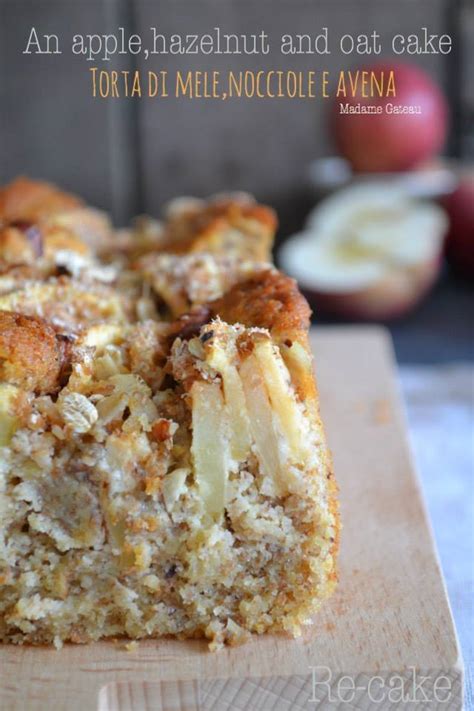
(163, 466)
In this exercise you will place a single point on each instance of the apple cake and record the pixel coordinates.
(163, 466)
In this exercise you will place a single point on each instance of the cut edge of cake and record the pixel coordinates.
(161, 477)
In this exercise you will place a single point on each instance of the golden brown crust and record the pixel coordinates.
(222, 226)
(62, 220)
(57, 239)
(25, 242)
(269, 300)
(33, 200)
(20, 244)
(18, 272)
(89, 227)
(31, 355)
(200, 223)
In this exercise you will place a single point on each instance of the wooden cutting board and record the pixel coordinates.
(387, 628)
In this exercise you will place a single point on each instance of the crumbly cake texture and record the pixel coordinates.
(163, 467)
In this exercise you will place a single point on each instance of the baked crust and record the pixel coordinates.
(39, 220)
(268, 299)
(184, 282)
(220, 226)
(25, 200)
(230, 226)
(31, 354)
(26, 243)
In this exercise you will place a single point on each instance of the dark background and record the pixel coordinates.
(131, 156)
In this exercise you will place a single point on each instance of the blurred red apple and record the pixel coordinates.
(460, 240)
(368, 252)
(388, 141)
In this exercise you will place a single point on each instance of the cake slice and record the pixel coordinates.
(164, 478)
(163, 466)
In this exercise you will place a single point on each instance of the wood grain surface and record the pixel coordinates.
(388, 622)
